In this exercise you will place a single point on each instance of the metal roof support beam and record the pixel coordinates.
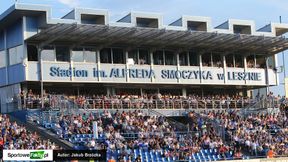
(58, 35)
(85, 30)
(191, 38)
(48, 30)
(92, 36)
(153, 38)
(279, 43)
(138, 40)
(235, 44)
(171, 40)
(224, 42)
(112, 40)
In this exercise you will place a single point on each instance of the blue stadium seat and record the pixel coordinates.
(219, 157)
(214, 158)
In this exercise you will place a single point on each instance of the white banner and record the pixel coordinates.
(28, 155)
(95, 130)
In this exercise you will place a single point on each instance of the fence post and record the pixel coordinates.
(156, 104)
(220, 105)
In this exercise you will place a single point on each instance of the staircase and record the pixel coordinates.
(261, 105)
(178, 125)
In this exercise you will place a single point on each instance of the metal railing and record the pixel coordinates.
(176, 124)
(260, 105)
(166, 104)
(60, 102)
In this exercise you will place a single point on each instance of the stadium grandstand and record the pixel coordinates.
(139, 89)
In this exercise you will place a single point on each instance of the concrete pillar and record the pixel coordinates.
(151, 63)
(200, 66)
(108, 91)
(245, 66)
(98, 63)
(225, 70)
(184, 92)
(127, 66)
(178, 65)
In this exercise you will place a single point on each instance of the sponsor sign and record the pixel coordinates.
(28, 155)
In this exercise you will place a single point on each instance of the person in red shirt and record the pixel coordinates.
(1, 143)
(270, 153)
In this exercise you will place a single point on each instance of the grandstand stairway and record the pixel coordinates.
(262, 105)
(172, 120)
(42, 132)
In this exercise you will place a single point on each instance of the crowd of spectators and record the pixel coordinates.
(258, 134)
(31, 100)
(14, 136)
(126, 131)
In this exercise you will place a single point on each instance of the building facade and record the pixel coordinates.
(84, 53)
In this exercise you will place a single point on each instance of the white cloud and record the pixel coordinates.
(70, 3)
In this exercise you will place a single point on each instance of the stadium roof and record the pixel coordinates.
(105, 35)
(84, 26)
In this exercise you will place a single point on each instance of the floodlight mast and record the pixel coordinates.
(283, 61)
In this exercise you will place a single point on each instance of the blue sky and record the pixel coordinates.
(261, 11)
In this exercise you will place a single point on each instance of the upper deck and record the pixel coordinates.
(187, 51)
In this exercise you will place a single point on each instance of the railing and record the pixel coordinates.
(260, 105)
(216, 124)
(165, 104)
(175, 123)
(58, 101)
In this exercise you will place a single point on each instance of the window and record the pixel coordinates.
(158, 58)
(2, 59)
(16, 55)
(193, 59)
(271, 62)
(48, 54)
(32, 53)
(144, 57)
(63, 53)
(12, 56)
(239, 61)
(183, 61)
(105, 55)
(77, 55)
(217, 60)
(170, 58)
(229, 60)
(206, 59)
(133, 55)
(260, 61)
(90, 55)
(250, 60)
(147, 22)
(118, 56)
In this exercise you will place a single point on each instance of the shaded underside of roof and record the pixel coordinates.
(105, 35)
